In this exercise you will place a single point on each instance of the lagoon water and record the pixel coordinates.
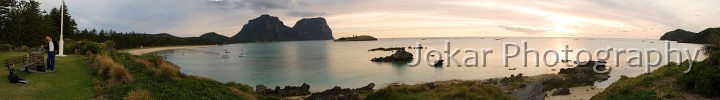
(325, 64)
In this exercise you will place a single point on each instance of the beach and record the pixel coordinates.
(140, 51)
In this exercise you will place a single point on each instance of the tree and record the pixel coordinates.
(6, 7)
(26, 26)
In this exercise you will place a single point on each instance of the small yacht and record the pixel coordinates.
(242, 53)
(226, 55)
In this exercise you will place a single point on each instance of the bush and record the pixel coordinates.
(702, 79)
(84, 46)
(138, 95)
(167, 69)
(6, 47)
(107, 67)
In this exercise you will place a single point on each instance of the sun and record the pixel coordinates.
(561, 23)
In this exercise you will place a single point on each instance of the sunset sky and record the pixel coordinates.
(405, 18)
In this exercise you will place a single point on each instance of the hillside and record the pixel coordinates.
(677, 35)
(701, 38)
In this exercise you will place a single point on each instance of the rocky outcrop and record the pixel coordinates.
(270, 28)
(337, 93)
(358, 38)
(677, 35)
(398, 56)
(583, 74)
(387, 49)
(561, 91)
(285, 92)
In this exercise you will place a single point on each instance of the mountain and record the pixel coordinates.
(677, 35)
(216, 38)
(312, 29)
(270, 28)
(701, 38)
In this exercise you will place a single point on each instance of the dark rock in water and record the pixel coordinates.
(398, 56)
(387, 49)
(285, 92)
(358, 38)
(583, 74)
(337, 93)
(438, 63)
(561, 91)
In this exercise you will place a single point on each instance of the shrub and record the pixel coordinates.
(85, 46)
(149, 65)
(116, 72)
(120, 75)
(5, 47)
(138, 95)
(167, 69)
(702, 79)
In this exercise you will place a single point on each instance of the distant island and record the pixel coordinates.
(357, 38)
(682, 36)
(270, 28)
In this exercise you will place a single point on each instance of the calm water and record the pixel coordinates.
(324, 64)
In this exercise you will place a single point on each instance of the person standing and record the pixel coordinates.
(52, 50)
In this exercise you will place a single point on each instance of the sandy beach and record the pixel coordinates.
(576, 93)
(140, 51)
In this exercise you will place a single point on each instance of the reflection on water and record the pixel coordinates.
(324, 64)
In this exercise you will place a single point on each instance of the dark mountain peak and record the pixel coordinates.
(210, 34)
(270, 28)
(677, 35)
(215, 38)
(312, 29)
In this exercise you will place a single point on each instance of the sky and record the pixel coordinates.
(405, 18)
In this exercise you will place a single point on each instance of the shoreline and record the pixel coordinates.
(141, 51)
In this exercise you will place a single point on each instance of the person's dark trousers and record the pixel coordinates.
(51, 60)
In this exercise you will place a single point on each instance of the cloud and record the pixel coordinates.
(290, 7)
(402, 18)
(527, 30)
(304, 13)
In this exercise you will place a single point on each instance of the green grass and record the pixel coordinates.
(165, 87)
(70, 81)
(449, 90)
(659, 84)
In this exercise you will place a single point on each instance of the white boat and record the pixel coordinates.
(242, 53)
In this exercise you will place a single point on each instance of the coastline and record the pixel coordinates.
(141, 51)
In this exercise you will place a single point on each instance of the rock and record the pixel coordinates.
(387, 49)
(533, 91)
(398, 56)
(561, 91)
(430, 85)
(337, 93)
(285, 92)
(358, 38)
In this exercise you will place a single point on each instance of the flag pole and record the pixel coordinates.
(62, 21)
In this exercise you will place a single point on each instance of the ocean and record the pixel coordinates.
(324, 64)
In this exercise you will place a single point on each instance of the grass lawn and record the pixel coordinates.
(72, 80)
